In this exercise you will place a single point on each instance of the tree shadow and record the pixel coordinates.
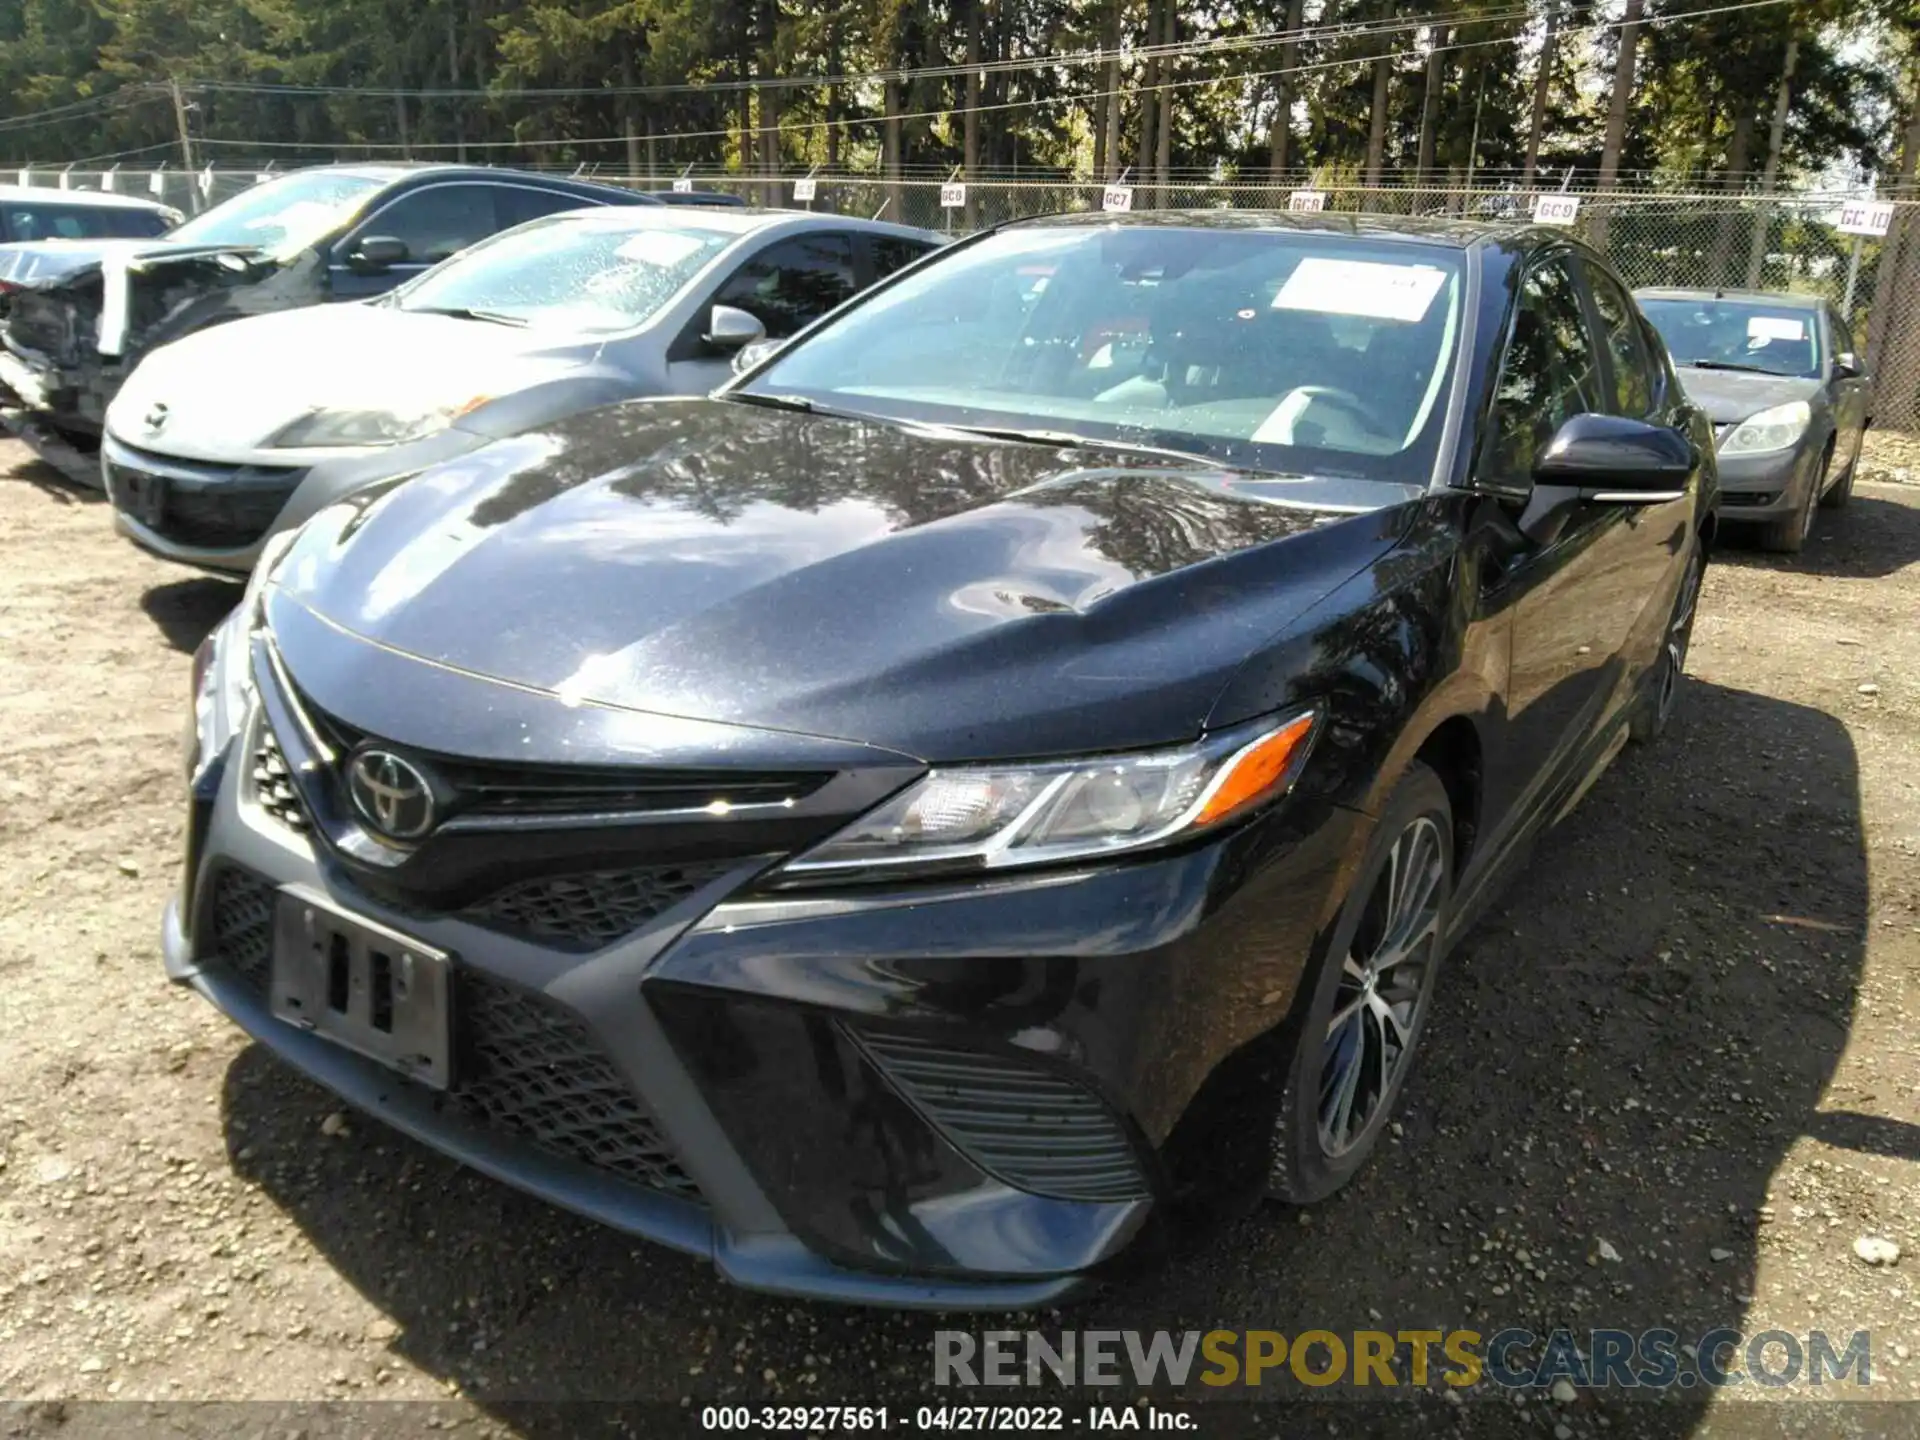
(185, 611)
(1623, 1050)
(1873, 537)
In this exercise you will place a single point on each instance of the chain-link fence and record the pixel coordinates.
(1653, 238)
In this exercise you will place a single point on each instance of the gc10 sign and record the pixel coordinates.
(1865, 217)
(1555, 209)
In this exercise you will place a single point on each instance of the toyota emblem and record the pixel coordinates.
(391, 794)
(156, 417)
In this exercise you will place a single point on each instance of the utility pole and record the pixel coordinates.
(180, 123)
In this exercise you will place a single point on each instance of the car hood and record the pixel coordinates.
(1732, 395)
(939, 596)
(228, 390)
(60, 260)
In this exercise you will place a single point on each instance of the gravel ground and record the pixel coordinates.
(1688, 1032)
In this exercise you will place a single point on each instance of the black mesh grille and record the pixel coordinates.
(587, 911)
(1748, 498)
(525, 1066)
(242, 940)
(192, 502)
(1033, 1129)
(273, 784)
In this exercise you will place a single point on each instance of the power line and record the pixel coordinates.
(1082, 98)
(1178, 49)
(60, 114)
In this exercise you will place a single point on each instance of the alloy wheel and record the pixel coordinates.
(1383, 991)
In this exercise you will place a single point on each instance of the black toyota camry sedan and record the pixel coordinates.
(991, 787)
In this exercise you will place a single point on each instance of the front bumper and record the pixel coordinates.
(219, 516)
(1765, 487)
(809, 1062)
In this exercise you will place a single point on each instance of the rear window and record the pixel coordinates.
(65, 220)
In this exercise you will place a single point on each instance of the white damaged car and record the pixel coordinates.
(223, 439)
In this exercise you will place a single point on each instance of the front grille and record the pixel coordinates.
(1023, 1124)
(525, 1067)
(528, 1068)
(194, 502)
(273, 784)
(492, 788)
(593, 909)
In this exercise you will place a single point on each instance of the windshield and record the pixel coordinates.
(282, 215)
(1738, 334)
(1272, 350)
(569, 274)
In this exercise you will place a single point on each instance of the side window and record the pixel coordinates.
(437, 221)
(520, 203)
(1634, 383)
(1547, 375)
(790, 284)
(891, 253)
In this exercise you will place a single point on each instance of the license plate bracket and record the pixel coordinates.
(144, 496)
(363, 986)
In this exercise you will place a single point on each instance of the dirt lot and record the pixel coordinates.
(1691, 1031)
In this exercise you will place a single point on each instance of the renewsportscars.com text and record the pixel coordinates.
(1378, 1359)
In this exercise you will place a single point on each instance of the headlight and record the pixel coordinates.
(327, 429)
(223, 667)
(990, 817)
(1777, 429)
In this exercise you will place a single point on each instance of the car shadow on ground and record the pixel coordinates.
(1621, 1052)
(1872, 537)
(185, 611)
(47, 478)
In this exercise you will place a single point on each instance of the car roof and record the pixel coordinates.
(101, 198)
(1425, 230)
(1780, 298)
(735, 220)
(394, 172)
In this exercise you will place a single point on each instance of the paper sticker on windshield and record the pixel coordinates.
(1775, 327)
(659, 247)
(1360, 287)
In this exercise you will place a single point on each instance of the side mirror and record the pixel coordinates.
(752, 353)
(1609, 457)
(730, 329)
(1847, 366)
(375, 253)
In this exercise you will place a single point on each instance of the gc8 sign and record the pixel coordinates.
(1310, 202)
(953, 197)
(1555, 209)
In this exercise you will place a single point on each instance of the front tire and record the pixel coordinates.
(1842, 491)
(1789, 534)
(1371, 998)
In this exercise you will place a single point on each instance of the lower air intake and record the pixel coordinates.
(1019, 1122)
(593, 909)
(525, 1066)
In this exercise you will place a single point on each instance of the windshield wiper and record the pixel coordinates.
(1066, 440)
(464, 312)
(799, 404)
(1731, 365)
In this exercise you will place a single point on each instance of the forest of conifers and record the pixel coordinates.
(1705, 94)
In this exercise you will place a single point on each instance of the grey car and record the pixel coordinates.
(1788, 395)
(232, 435)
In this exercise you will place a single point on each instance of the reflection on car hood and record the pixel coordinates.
(1730, 395)
(943, 597)
(229, 389)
